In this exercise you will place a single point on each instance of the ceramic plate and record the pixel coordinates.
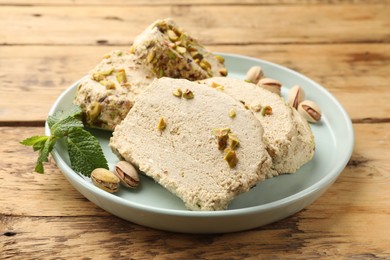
(272, 200)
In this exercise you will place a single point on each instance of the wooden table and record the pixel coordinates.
(46, 45)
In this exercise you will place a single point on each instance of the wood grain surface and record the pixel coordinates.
(47, 45)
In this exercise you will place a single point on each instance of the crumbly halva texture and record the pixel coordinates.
(171, 52)
(288, 138)
(107, 94)
(184, 157)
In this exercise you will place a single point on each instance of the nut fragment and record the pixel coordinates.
(270, 85)
(256, 107)
(172, 35)
(97, 76)
(94, 111)
(108, 84)
(232, 141)
(188, 94)
(127, 174)
(181, 50)
(150, 57)
(222, 135)
(220, 59)
(310, 111)
(161, 124)
(107, 72)
(223, 72)
(232, 113)
(231, 158)
(217, 86)
(295, 96)
(266, 111)
(254, 74)
(177, 92)
(104, 179)
(121, 76)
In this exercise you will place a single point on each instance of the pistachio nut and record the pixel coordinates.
(295, 96)
(270, 84)
(127, 174)
(161, 124)
(105, 180)
(188, 94)
(254, 74)
(310, 111)
(94, 111)
(231, 158)
(223, 72)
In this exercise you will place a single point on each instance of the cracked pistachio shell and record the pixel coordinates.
(254, 74)
(105, 180)
(295, 96)
(127, 174)
(270, 84)
(310, 111)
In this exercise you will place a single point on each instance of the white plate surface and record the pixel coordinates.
(272, 200)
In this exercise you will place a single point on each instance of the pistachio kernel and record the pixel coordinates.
(108, 84)
(181, 50)
(172, 35)
(161, 124)
(204, 64)
(177, 92)
(150, 57)
(94, 111)
(220, 59)
(232, 113)
(222, 135)
(97, 76)
(107, 72)
(231, 158)
(188, 94)
(266, 111)
(223, 72)
(132, 49)
(196, 55)
(256, 107)
(217, 86)
(232, 141)
(121, 76)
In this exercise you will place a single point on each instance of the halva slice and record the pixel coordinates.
(108, 92)
(180, 134)
(288, 138)
(171, 52)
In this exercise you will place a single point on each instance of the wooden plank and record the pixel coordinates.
(90, 25)
(356, 74)
(46, 216)
(178, 2)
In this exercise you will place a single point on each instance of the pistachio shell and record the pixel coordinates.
(254, 74)
(127, 174)
(295, 96)
(310, 111)
(105, 180)
(270, 84)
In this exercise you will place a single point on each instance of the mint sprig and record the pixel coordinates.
(84, 150)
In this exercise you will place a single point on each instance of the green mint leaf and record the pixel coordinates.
(61, 128)
(73, 111)
(33, 140)
(85, 152)
(46, 148)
